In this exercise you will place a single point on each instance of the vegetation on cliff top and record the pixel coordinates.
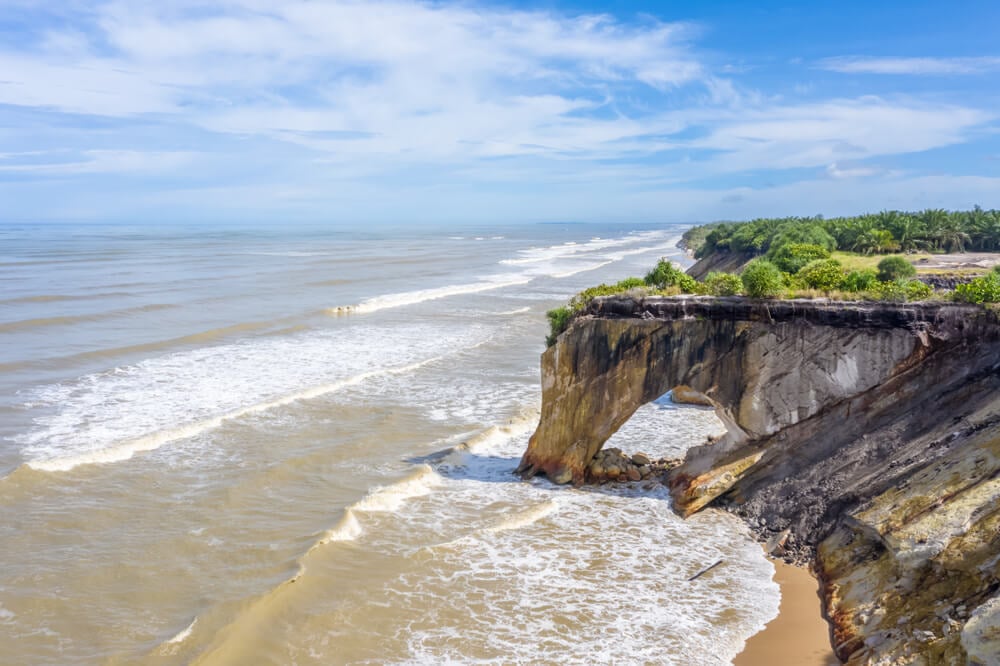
(809, 257)
(761, 278)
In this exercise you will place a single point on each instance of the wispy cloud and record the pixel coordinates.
(916, 66)
(410, 76)
(103, 161)
(316, 105)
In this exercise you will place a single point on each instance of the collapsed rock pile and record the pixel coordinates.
(613, 465)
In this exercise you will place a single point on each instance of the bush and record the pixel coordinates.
(901, 290)
(895, 268)
(802, 233)
(985, 289)
(559, 320)
(793, 256)
(629, 283)
(723, 284)
(825, 274)
(864, 280)
(665, 274)
(762, 279)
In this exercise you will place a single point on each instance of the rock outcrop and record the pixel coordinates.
(727, 262)
(870, 432)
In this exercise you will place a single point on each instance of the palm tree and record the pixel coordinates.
(984, 227)
(875, 241)
(990, 230)
(936, 221)
(905, 228)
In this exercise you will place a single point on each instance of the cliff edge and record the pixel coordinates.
(869, 431)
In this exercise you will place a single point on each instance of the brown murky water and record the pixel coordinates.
(203, 462)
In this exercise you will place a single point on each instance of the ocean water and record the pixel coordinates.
(295, 446)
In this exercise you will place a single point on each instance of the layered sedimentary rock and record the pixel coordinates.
(869, 431)
(727, 262)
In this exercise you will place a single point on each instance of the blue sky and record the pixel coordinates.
(367, 112)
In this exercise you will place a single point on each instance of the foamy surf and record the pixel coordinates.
(512, 521)
(391, 497)
(388, 498)
(568, 250)
(183, 634)
(125, 450)
(348, 529)
(494, 437)
(519, 519)
(515, 311)
(422, 295)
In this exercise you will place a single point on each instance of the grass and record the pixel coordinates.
(857, 262)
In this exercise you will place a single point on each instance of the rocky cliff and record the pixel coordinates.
(869, 431)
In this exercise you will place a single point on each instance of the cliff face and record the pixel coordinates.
(727, 262)
(869, 431)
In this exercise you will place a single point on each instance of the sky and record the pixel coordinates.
(402, 111)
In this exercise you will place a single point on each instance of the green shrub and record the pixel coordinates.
(895, 268)
(629, 283)
(901, 290)
(559, 320)
(985, 289)
(793, 256)
(863, 280)
(824, 274)
(580, 301)
(762, 279)
(802, 233)
(723, 284)
(665, 274)
(917, 290)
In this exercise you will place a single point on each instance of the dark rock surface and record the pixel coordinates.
(727, 262)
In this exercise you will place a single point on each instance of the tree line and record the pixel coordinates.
(931, 230)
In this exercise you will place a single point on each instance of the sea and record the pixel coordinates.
(295, 444)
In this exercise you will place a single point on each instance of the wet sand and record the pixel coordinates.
(799, 635)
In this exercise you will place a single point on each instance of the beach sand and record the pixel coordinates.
(799, 635)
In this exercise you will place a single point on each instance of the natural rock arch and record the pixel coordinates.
(765, 365)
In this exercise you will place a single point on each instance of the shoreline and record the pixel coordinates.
(799, 634)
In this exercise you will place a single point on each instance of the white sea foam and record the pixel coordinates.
(111, 416)
(6, 616)
(529, 516)
(125, 450)
(662, 429)
(387, 498)
(569, 572)
(554, 252)
(391, 497)
(183, 633)
(422, 295)
(348, 529)
(556, 261)
(515, 311)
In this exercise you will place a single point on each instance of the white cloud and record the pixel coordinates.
(104, 161)
(840, 173)
(413, 80)
(322, 100)
(919, 66)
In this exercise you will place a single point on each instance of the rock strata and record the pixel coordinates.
(864, 437)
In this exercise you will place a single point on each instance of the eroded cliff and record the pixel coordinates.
(869, 431)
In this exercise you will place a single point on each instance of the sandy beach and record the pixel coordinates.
(799, 635)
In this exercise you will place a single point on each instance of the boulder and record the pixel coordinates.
(685, 395)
